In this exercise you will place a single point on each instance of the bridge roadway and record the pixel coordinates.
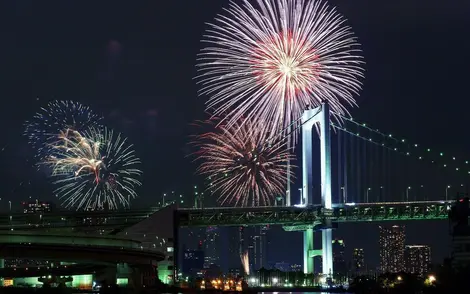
(74, 248)
(292, 218)
(301, 218)
(61, 270)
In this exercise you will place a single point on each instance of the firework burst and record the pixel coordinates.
(55, 118)
(270, 61)
(95, 169)
(245, 169)
(245, 263)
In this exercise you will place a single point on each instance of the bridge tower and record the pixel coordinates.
(310, 117)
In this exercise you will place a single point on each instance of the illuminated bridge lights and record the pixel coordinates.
(309, 216)
(289, 217)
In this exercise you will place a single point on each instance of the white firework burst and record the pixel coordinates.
(268, 62)
(95, 169)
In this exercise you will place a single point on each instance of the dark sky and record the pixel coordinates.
(135, 62)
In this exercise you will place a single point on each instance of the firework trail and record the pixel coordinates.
(268, 62)
(244, 168)
(55, 118)
(95, 169)
(245, 263)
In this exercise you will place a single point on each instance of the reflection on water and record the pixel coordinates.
(297, 293)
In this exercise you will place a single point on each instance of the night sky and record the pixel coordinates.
(134, 62)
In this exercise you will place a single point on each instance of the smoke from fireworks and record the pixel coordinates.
(95, 169)
(270, 61)
(245, 263)
(244, 167)
(55, 118)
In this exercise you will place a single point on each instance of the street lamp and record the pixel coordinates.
(367, 194)
(301, 196)
(381, 194)
(447, 191)
(9, 202)
(422, 187)
(344, 195)
(407, 193)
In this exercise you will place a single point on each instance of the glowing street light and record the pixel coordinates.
(447, 191)
(407, 193)
(367, 194)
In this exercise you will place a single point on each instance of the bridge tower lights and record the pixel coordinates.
(310, 117)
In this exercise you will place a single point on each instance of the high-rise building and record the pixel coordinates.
(339, 262)
(193, 261)
(392, 249)
(236, 246)
(358, 260)
(259, 248)
(418, 259)
(460, 232)
(37, 207)
(211, 247)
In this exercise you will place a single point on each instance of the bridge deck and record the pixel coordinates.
(309, 216)
(229, 216)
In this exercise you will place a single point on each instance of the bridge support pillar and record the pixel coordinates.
(308, 248)
(310, 117)
(108, 277)
(133, 274)
(327, 252)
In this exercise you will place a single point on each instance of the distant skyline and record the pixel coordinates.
(438, 239)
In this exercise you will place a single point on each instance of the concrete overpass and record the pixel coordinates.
(75, 248)
(62, 270)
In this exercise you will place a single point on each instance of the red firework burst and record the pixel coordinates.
(245, 169)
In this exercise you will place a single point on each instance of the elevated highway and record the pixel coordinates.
(74, 248)
(67, 270)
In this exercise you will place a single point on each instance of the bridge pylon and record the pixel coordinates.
(310, 117)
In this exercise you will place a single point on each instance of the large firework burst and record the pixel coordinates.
(245, 169)
(55, 118)
(95, 169)
(269, 61)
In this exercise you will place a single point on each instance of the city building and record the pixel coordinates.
(460, 233)
(211, 247)
(296, 268)
(358, 264)
(37, 207)
(236, 246)
(258, 247)
(339, 262)
(392, 249)
(235, 272)
(418, 259)
(193, 262)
